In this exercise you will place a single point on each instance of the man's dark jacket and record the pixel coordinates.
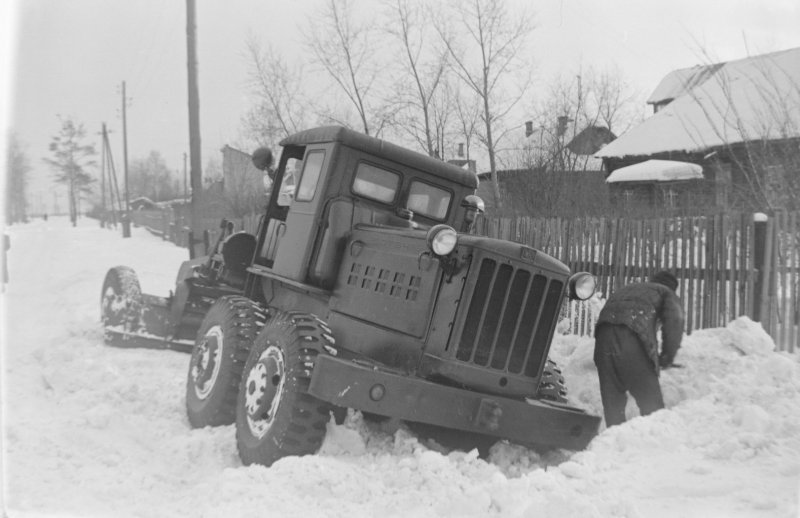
(641, 307)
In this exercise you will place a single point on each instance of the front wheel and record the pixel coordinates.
(121, 300)
(551, 385)
(220, 351)
(275, 415)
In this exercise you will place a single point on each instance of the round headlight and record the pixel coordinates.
(581, 286)
(442, 239)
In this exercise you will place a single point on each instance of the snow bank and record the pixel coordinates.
(91, 430)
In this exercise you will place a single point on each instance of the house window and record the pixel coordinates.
(627, 198)
(775, 185)
(670, 198)
(722, 181)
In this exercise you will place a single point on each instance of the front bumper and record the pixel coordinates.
(349, 384)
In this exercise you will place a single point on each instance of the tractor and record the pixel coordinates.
(363, 288)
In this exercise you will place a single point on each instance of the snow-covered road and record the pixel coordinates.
(91, 430)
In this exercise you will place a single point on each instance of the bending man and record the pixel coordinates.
(626, 347)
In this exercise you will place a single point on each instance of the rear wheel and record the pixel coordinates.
(220, 351)
(121, 300)
(275, 415)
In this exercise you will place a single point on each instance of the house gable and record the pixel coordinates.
(680, 82)
(750, 99)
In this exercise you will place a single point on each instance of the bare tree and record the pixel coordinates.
(277, 86)
(564, 113)
(615, 100)
(150, 177)
(16, 188)
(584, 101)
(423, 71)
(545, 163)
(71, 157)
(486, 30)
(467, 117)
(346, 51)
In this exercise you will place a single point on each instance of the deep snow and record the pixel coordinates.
(91, 430)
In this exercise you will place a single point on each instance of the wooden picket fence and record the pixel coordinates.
(728, 264)
(174, 225)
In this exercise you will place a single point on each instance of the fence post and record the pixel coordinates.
(759, 261)
(189, 235)
(125, 219)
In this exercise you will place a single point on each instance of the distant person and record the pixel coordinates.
(6, 247)
(626, 347)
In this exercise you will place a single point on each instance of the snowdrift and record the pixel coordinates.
(91, 430)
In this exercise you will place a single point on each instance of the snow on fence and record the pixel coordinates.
(173, 224)
(728, 264)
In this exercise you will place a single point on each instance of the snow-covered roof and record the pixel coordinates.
(590, 139)
(657, 171)
(747, 99)
(679, 82)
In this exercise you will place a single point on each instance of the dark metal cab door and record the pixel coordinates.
(297, 240)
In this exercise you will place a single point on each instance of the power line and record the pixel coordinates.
(145, 61)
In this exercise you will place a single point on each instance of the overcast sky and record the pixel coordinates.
(70, 58)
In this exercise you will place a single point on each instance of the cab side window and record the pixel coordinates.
(309, 179)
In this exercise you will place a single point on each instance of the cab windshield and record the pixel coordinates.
(427, 200)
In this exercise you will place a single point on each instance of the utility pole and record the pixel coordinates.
(195, 248)
(126, 216)
(103, 180)
(185, 188)
(113, 186)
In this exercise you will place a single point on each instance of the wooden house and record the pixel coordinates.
(238, 171)
(739, 121)
(546, 193)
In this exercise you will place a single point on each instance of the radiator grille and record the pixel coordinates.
(509, 319)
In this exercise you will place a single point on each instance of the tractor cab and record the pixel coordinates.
(338, 181)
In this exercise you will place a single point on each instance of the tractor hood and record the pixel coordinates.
(491, 246)
(485, 312)
(515, 252)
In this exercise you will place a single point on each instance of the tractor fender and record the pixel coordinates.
(313, 331)
(182, 288)
(187, 269)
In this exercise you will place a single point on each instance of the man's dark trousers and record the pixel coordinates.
(623, 366)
